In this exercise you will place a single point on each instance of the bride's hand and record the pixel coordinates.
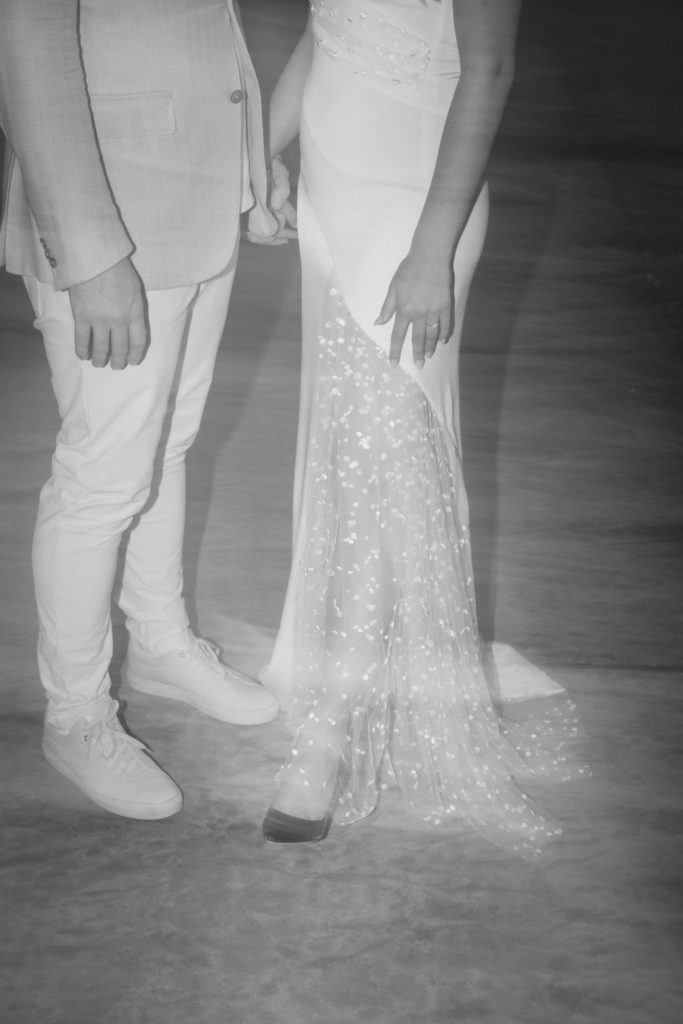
(421, 294)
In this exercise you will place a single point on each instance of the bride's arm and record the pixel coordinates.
(285, 102)
(421, 291)
(284, 117)
(486, 31)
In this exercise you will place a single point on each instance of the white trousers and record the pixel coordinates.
(118, 472)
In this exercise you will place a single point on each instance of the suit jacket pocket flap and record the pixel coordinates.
(134, 115)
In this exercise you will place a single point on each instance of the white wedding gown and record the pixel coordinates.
(378, 662)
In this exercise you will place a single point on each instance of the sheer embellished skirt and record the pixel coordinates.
(378, 663)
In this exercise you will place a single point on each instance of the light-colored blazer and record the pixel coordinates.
(128, 123)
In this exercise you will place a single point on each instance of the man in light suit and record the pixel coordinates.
(134, 142)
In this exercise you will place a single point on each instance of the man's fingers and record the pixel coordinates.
(289, 213)
(137, 342)
(119, 348)
(445, 326)
(432, 330)
(260, 233)
(281, 238)
(388, 308)
(100, 345)
(82, 339)
(398, 336)
(286, 218)
(281, 188)
(106, 309)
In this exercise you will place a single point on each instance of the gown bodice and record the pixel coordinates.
(405, 48)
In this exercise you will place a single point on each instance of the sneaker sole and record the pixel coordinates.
(141, 812)
(236, 716)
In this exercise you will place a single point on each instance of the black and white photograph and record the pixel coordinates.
(341, 512)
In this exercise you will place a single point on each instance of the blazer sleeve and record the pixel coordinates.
(45, 114)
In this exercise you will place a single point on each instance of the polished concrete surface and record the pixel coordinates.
(572, 429)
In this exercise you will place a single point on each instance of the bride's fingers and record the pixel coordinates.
(398, 335)
(285, 215)
(432, 329)
(281, 187)
(288, 212)
(286, 224)
(445, 325)
(419, 343)
(388, 307)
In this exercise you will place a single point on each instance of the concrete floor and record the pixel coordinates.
(572, 427)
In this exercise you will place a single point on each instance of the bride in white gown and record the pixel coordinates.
(378, 663)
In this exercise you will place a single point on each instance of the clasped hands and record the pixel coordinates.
(259, 230)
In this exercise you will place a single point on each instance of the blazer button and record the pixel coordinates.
(236, 96)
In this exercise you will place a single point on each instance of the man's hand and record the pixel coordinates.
(109, 317)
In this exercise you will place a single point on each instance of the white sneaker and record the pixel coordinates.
(195, 676)
(112, 768)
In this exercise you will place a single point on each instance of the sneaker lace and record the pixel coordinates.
(112, 742)
(206, 652)
(208, 656)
